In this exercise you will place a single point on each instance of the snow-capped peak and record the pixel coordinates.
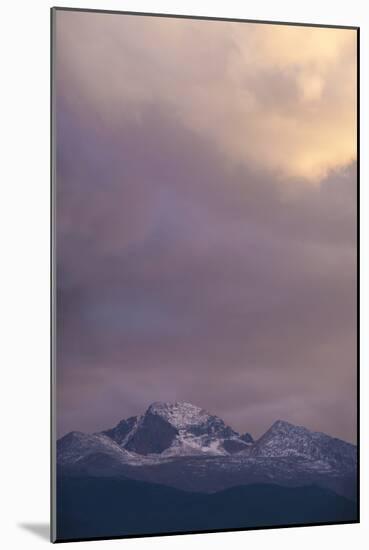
(181, 429)
(185, 430)
(282, 424)
(285, 439)
(179, 414)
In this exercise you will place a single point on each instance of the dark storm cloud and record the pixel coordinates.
(181, 277)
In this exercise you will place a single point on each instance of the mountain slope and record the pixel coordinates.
(76, 445)
(183, 446)
(122, 430)
(178, 429)
(284, 439)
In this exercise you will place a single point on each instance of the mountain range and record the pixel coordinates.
(182, 448)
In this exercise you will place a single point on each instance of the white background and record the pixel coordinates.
(24, 303)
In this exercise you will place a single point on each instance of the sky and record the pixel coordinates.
(205, 221)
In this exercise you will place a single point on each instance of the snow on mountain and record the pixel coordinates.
(167, 432)
(181, 415)
(77, 445)
(177, 429)
(287, 440)
(122, 430)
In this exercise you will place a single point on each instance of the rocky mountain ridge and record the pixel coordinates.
(182, 429)
(184, 446)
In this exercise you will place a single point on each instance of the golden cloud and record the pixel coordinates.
(275, 96)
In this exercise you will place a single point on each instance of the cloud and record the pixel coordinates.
(179, 276)
(272, 96)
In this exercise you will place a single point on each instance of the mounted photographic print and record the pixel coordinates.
(204, 271)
